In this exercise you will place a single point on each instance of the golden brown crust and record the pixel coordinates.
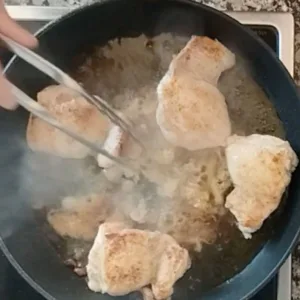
(210, 48)
(204, 58)
(72, 111)
(192, 112)
(118, 244)
(124, 260)
(260, 167)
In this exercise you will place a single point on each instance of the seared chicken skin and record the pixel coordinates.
(123, 260)
(73, 111)
(192, 112)
(260, 167)
(202, 59)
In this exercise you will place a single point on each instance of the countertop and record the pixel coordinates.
(236, 5)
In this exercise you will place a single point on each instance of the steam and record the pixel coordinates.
(48, 178)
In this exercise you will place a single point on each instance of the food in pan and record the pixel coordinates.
(192, 112)
(72, 111)
(203, 180)
(79, 217)
(260, 167)
(123, 260)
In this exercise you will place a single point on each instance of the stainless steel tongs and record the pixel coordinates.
(59, 76)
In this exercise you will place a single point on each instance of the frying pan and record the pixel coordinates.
(22, 239)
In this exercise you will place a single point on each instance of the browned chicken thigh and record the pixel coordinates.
(123, 260)
(260, 167)
(192, 112)
(74, 112)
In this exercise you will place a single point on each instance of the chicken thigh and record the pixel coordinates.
(260, 167)
(192, 112)
(202, 59)
(79, 217)
(123, 260)
(73, 111)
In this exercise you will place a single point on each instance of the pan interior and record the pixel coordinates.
(51, 178)
(122, 71)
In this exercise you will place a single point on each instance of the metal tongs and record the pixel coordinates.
(61, 77)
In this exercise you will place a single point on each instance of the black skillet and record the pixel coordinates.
(23, 240)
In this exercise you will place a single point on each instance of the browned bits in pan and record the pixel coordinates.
(149, 44)
(81, 272)
(71, 263)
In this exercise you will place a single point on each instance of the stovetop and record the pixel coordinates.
(276, 29)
